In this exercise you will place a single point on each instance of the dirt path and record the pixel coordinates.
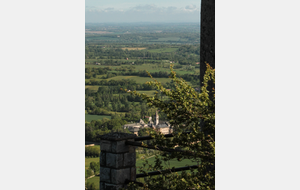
(90, 177)
(146, 158)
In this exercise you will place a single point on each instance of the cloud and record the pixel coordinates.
(152, 8)
(190, 7)
(144, 9)
(109, 9)
(96, 9)
(172, 8)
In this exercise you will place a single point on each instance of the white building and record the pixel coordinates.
(162, 126)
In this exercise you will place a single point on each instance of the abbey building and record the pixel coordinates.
(162, 126)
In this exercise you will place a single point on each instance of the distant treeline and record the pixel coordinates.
(185, 54)
(129, 83)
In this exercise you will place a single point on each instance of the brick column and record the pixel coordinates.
(117, 160)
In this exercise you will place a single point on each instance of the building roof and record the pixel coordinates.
(162, 125)
(133, 125)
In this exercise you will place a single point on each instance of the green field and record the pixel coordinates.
(148, 67)
(105, 61)
(91, 60)
(140, 80)
(95, 180)
(139, 163)
(165, 39)
(173, 162)
(162, 50)
(133, 48)
(89, 160)
(99, 66)
(95, 88)
(147, 92)
(89, 117)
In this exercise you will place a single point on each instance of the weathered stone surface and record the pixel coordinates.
(117, 136)
(105, 174)
(105, 145)
(119, 147)
(102, 159)
(129, 159)
(102, 185)
(132, 173)
(131, 149)
(118, 176)
(113, 187)
(114, 160)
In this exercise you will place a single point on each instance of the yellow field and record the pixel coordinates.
(95, 88)
(133, 48)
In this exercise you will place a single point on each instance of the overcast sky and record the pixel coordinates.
(119, 11)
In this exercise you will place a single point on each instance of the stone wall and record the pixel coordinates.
(117, 161)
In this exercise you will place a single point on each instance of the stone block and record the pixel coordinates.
(119, 147)
(114, 160)
(129, 159)
(132, 173)
(105, 174)
(102, 159)
(112, 186)
(102, 185)
(105, 145)
(131, 149)
(118, 176)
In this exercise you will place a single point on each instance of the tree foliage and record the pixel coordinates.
(92, 152)
(90, 186)
(95, 167)
(187, 111)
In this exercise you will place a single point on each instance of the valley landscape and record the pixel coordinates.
(118, 57)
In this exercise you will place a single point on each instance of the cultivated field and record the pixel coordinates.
(133, 48)
(95, 88)
(89, 117)
(140, 80)
(147, 92)
(163, 50)
(96, 32)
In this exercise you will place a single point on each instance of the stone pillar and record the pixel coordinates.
(117, 160)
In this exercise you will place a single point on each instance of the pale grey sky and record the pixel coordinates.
(142, 11)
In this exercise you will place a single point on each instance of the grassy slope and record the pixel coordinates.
(173, 162)
(89, 160)
(95, 180)
(139, 163)
(95, 88)
(89, 117)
